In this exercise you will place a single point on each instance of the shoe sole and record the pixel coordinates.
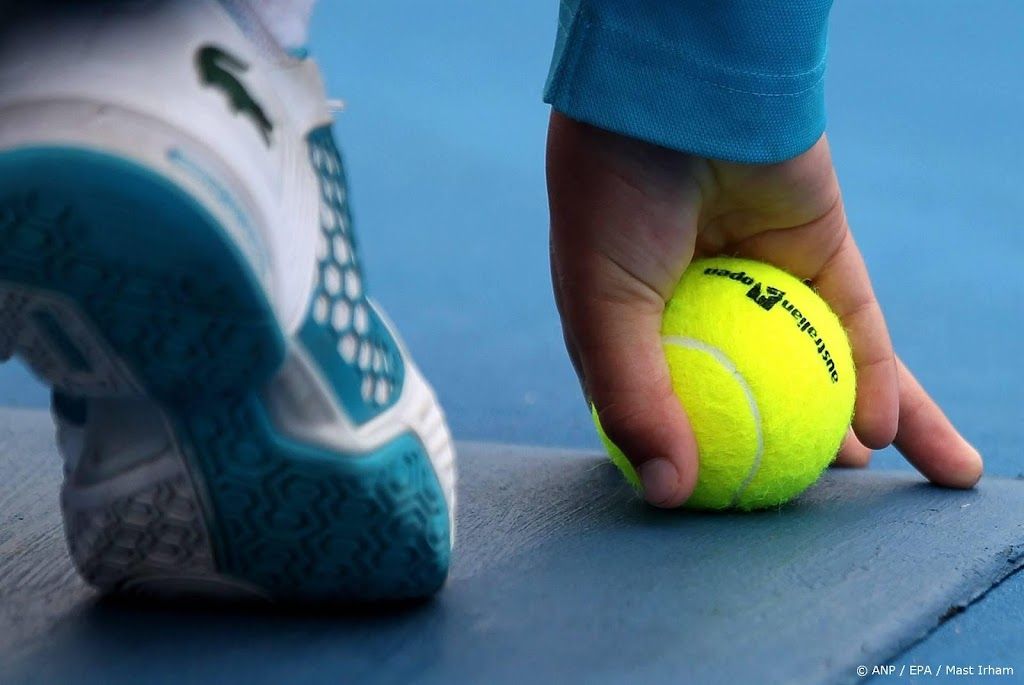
(114, 283)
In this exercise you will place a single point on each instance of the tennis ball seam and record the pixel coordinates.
(755, 412)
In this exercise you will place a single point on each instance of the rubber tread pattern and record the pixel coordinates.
(178, 305)
(306, 523)
(158, 530)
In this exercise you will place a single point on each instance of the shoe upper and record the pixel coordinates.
(240, 108)
(197, 92)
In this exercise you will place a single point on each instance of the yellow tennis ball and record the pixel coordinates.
(763, 369)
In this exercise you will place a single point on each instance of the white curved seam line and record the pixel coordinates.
(721, 358)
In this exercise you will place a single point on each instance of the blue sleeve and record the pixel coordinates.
(740, 80)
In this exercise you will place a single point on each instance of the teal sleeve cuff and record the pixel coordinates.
(739, 80)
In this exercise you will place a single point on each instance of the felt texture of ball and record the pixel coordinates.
(763, 368)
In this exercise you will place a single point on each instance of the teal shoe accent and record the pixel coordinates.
(178, 305)
(344, 334)
(148, 266)
(306, 523)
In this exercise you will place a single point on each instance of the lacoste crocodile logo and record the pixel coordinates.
(219, 69)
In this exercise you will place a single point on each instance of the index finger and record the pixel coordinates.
(844, 283)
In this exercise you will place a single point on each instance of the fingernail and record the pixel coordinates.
(976, 469)
(659, 478)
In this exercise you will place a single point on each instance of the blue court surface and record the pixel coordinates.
(444, 137)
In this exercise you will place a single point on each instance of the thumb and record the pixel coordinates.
(618, 344)
(623, 227)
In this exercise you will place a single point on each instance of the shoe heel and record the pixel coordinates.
(120, 251)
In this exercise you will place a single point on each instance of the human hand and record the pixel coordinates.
(628, 217)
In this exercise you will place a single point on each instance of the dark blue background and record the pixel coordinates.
(444, 137)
